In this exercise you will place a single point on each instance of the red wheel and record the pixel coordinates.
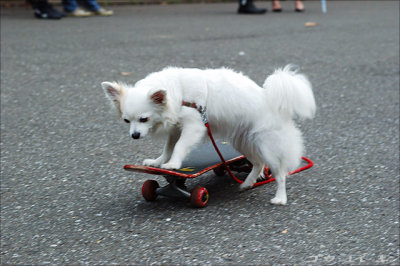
(199, 197)
(149, 190)
(219, 171)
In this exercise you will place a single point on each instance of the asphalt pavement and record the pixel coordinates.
(65, 198)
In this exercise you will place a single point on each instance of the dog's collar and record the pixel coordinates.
(201, 109)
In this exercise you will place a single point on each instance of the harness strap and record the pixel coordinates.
(220, 154)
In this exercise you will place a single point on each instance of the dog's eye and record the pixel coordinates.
(143, 119)
(127, 121)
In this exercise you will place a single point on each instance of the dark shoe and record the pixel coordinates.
(277, 10)
(299, 10)
(47, 11)
(250, 8)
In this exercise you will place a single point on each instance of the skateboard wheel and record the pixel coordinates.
(199, 197)
(149, 190)
(219, 171)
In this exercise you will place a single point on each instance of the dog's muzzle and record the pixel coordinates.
(136, 135)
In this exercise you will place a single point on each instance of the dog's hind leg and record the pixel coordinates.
(282, 152)
(279, 170)
(280, 195)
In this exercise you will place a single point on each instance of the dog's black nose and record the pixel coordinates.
(136, 135)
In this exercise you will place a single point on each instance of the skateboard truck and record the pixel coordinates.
(176, 189)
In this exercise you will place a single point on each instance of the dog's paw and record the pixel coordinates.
(151, 162)
(245, 186)
(279, 201)
(171, 165)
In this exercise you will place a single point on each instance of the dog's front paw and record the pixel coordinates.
(279, 201)
(151, 162)
(171, 165)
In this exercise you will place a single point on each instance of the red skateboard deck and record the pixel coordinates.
(203, 159)
(200, 160)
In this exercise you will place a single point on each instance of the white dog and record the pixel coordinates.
(257, 121)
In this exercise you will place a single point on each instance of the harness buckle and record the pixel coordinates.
(204, 115)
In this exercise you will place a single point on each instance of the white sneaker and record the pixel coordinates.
(103, 12)
(80, 13)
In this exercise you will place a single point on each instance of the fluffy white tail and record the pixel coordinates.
(290, 93)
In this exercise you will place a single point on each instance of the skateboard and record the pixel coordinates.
(201, 159)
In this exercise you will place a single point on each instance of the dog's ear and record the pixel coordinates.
(113, 91)
(158, 96)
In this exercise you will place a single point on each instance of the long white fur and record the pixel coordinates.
(258, 121)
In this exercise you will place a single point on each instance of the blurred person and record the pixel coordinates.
(44, 10)
(248, 7)
(91, 8)
(298, 6)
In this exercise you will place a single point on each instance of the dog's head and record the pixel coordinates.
(140, 107)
